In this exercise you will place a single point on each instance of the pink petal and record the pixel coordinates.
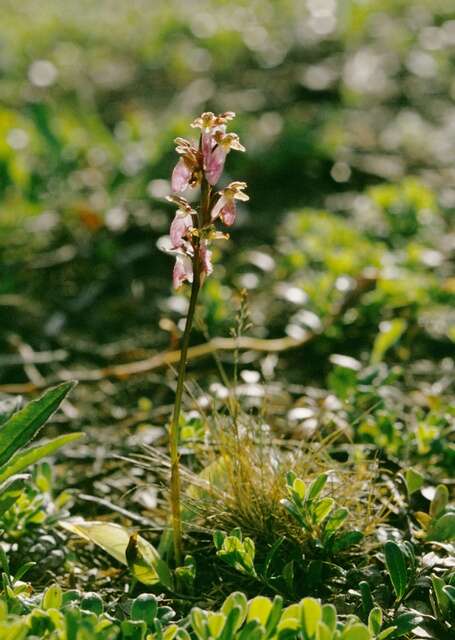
(183, 271)
(181, 176)
(207, 145)
(206, 259)
(179, 227)
(215, 165)
(228, 212)
(218, 208)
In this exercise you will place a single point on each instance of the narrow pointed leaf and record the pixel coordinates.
(23, 425)
(396, 566)
(24, 459)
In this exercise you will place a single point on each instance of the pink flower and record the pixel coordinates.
(214, 164)
(181, 176)
(225, 208)
(183, 270)
(206, 258)
(180, 225)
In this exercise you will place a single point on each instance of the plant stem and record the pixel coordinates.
(203, 217)
(174, 427)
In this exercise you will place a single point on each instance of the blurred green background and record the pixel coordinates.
(347, 112)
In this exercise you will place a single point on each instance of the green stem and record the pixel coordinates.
(203, 220)
(174, 427)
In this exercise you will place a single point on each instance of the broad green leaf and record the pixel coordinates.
(23, 425)
(52, 598)
(322, 509)
(386, 633)
(291, 613)
(259, 609)
(323, 632)
(375, 620)
(443, 530)
(146, 564)
(356, 632)
(199, 623)
(311, 614)
(414, 480)
(329, 616)
(396, 566)
(215, 623)
(235, 599)
(111, 537)
(442, 599)
(299, 487)
(23, 459)
(234, 621)
(336, 520)
(317, 486)
(144, 607)
(389, 334)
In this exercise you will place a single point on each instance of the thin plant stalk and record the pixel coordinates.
(190, 234)
(174, 426)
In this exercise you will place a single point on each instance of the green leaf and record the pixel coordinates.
(375, 620)
(345, 540)
(52, 598)
(414, 480)
(406, 623)
(336, 520)
(143, 559)
(443, 530)
(329, 616)
(323, 632)
(442, 600)
(367, 598)
(396, 566)
(146, 564)
(10, 492)
(449, 591)
(317, 486)
(259, 609)
(199, 623)
(236, 599)
(215, 623)
(311, 614)
(24, 459)
(386, 633)
(144, 607)
(389, 334)
(274, 616)
(23, 425)
(322, 509)
(440, 501)
(356, 632)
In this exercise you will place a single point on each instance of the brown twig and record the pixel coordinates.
(167, 358)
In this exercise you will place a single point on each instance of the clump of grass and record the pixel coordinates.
(243, 482)
(239, 480)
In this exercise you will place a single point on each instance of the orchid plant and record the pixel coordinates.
(191, 232)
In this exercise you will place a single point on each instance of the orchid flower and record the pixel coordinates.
(225, 208)
(199, 163)
(190, 233)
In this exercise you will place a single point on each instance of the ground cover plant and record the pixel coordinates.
(260, 443)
